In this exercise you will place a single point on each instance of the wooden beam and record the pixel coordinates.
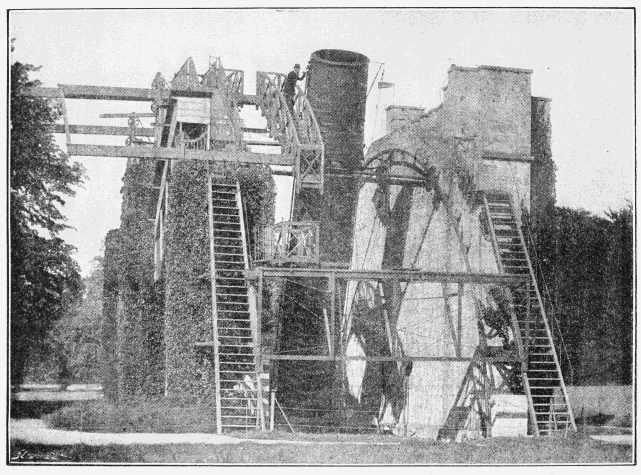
(404, 275)
(164, 153)
(253, 130)
(261, 143)
(448, 318)
(63, 104)
(102, 130)
(268, 356)
(248, 100)
(459, 318)
(110, 93)
(126, 115)
(77, 91)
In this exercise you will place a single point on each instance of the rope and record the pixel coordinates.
(374, 80)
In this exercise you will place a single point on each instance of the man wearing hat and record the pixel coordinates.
(289, 86)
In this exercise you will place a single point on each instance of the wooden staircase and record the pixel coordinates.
(236, 370)
(296, 130)
(550, 411)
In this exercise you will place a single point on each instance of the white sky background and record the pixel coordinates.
(582, 60)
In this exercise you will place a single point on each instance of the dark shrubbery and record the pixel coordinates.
(136, 415)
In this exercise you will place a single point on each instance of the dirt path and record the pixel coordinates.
(35, 431)
(621, 439)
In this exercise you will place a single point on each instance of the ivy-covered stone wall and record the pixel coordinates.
(188, 317)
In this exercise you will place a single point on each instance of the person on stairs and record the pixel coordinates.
(289, 86)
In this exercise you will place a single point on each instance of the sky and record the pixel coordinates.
(581, 59)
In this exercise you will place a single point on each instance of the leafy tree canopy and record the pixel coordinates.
(44, 277)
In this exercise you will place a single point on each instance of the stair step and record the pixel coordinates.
(236, 225)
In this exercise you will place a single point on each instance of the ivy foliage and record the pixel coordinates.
(188, 317)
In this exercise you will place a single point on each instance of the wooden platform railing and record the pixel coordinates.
(311, 160)
(296, 129)
(287, 242)
(199, 143)
(273, 107)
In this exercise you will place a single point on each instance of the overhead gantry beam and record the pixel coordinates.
(109, 93)
(401, 275)
(124, 131)
(103, 130)
(164, 153)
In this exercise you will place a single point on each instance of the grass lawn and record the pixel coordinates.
(338, 450)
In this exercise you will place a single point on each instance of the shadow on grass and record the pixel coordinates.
(573, 450)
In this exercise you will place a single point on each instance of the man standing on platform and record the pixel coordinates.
(289, 86)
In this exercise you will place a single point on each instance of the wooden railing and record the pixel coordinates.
(273, 107)
(234, 90)
(235, 83)
(312, 157)
(199, 143)
(287, 242)
(296, 129)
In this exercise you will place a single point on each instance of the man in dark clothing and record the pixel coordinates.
(289, 86)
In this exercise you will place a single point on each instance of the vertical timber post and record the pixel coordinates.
(332, 312)
(259, 353)
(459, 319)
(214, 310)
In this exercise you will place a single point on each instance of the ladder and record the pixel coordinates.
(236, 361)
(550, 410)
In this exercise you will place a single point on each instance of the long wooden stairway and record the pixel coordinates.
(295, 129)
(236, 369)
(550, 411)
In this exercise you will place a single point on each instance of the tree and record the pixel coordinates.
(76, 336)
(587, 263)
(45, 280)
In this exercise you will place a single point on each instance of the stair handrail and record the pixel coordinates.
(234, 90)
(234, 83)
(280, 119)
(311, 136)
(243, 225)
(274, 107)
(525, 221)
(256, 314)
(199, 143)
(214, 306)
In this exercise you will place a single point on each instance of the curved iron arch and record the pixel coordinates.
(390, 153)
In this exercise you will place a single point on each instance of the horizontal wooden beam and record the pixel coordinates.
(115, 130)
(406, 358)
(254, 130)
(126, 115)
(261, 143)
(249, 100)
(103, 130)
(402, 275)
(110, 93)
(163, 153)
(77, 91)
